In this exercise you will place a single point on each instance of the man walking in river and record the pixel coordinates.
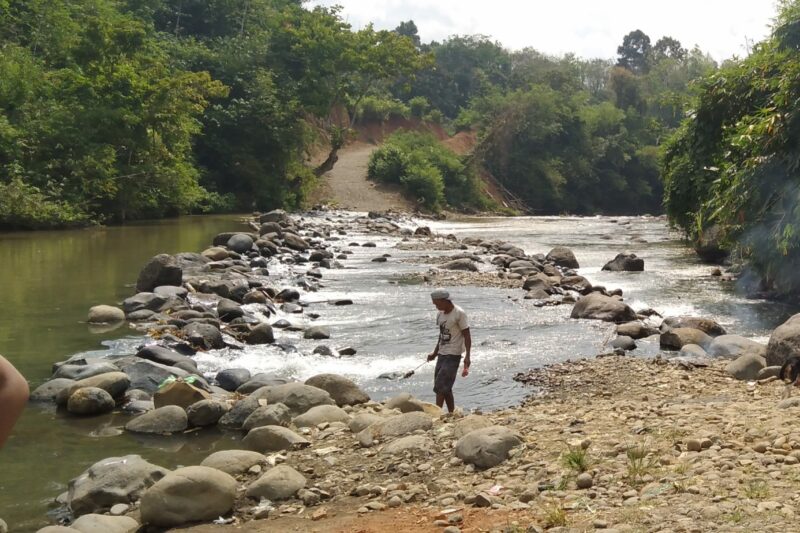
(454, 339)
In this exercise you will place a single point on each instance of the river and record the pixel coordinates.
(50, 279)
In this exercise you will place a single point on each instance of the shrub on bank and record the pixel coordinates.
(24, 206)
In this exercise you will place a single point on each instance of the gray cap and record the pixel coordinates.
(440, 294)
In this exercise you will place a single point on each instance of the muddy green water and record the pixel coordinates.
(48, 281)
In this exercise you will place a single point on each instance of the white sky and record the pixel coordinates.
(589, 28)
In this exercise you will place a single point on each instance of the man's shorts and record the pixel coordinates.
(445, 373)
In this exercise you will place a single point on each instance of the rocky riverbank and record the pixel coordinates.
(321, 449)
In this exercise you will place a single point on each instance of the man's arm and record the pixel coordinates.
(468, 345)
(13, 397)
(435, 352)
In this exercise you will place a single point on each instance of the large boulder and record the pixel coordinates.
(298, 397)
(160, 270)
(90, 401)
(414, 444)
(163, 355)
(278, 483)
(276, 215)
(99, 523)
(105, 314)
(227, 310)
(275, 414)
(189, 494)
(625, 263)
(784, 341)
(363, 420)
(261, 334)
(234, 462)
(79, 372)
(596, 306)
(342, 390)
(260, 380)
(167, 419)
(317, 333)
(231, 379)
(111, 481)
(321, 414)
(563, 257)
(708, 326)
(461, 264)
(487, 447)
(677, 338)
(203, 335)
(240, 243)
(470, 423)
(395, 426)
(746, 367)
(49, 390)
(143, 301)
(235, 418)
(273, 439)
(708, 245)
(295, 242)
(206, 412)
(635, 330)
(149, 375)
(733, 346)
(114, 383)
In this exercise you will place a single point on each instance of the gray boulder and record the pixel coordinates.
(78, 372)
(90, 401)
(596, 306)
(231, 379)
(260, 380)
(635, 330)
(276, 215)
(167, 419)
(363, 420)
(677, 338)
(692, 350)
(203, 335)
(784, 341)
(273, 439)
(342, 390)
(321, 414)
(99, 523)
(189, 494)
(261, 334)
(746, 367)
(625, 263)
(487, 447)
(708, 246)
(215, 253)
(413, 444)
(470, 423)
(466, 265)
(143, 301)
(733, 346)
(227, 310)
(171, 292)
(278, 483)
(105, 314)
(164, 356)
(395, 426)
(148, 375)
(205, 412)
(298, 397)
(240, 243)
(111, 481)
(234, 462)
(49, 390)
(160, 270)
(275, 414)
(317, 333)
(295, 242)
(236, 416)
(404, 402)
(114, 383)
(706, 325)
(624, 342)
(563, 257)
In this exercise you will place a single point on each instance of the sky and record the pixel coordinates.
(588, 28)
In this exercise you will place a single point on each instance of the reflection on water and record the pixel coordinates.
(51, 279)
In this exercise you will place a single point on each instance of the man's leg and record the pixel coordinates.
(448, 397)
(440, 399)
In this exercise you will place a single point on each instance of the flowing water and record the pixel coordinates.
(49, 280)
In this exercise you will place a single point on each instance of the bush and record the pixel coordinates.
(419, 106)
(24, 206)
(381, 109)
(434, 116)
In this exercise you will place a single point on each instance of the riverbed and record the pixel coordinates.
(50, 279)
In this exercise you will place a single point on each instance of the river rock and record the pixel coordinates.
(404, 402)
(363, 420)
(415, 444)
(180, 393)
(487, 447)
(171, 292)
(110, 481)
(320, 414)
(105, 314)
(143, 301)
(577, 284)
(288, 295)
(49, 390)
(149, 375)
(784, 341)
(255, 297)
(470, 423)
(234, 462)
(164, 356)
(625, 263)
(114, 383)
(708, 246)
(623, 342)
(203, 335)
(99, 523)
(677, 338)
(768, 372)
(466, 265)
(261, 334)
(295, 242)
(746, 367)
(90, 401)
(240, 243)
(242, 409)
(342, 390)
(707, 325)
(273, 439)
(317, 333)
(260, 380)
(160, 270)
(57, 529)
(635, 330)
(298, 397)
(275, 414)
(733, 346)
(270, 227)
(205, 412)
(278, 483)
(596, 306)
(276, 215)
(692, 350)
(167, 419)
(215, 253)
(563, 257)
(395, 426)
(78, 372)
(231, 379)
(189, 494)
(227, 310)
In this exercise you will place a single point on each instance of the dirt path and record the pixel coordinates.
(346, 185)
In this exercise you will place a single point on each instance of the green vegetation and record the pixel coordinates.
(576, 458)
(733, 167)
(431, 173)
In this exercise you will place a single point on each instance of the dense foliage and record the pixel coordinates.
(432, 174)
(733, 168)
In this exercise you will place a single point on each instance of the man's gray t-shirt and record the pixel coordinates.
(451, 325)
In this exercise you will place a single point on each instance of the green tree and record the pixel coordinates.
(634, 52)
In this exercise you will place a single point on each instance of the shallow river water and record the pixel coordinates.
(49, 280)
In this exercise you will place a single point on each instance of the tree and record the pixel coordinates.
(668, 48)
(634, 52)
(409, 29)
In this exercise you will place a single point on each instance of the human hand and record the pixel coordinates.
(431, 356)
(465, 372)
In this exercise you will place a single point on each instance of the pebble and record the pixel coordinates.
(600, 524)
(455, 518)
(693, 445)
(584, 481)
(451, 529)
(441, 523)
(119, 509)
(395, 501)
